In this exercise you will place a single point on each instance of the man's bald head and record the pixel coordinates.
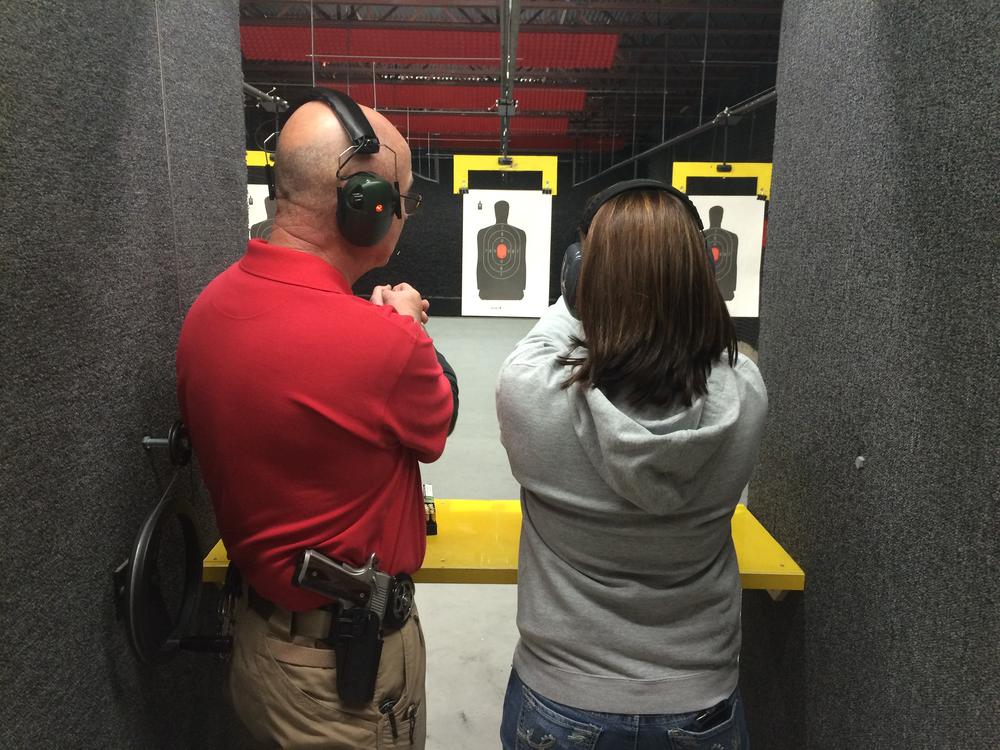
(306, 164)
(309, 152)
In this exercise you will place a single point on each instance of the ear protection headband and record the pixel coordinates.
(366, 203)
(573, 259)
(595, 203)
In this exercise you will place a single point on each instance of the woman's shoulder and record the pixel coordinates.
(743, 377)
(556, 333)
(747, 367)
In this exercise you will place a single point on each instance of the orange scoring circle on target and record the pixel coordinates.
(502, 251)
(715, 253)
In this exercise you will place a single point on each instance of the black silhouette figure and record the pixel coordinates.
(501, 270)
(722, 246)
(262, 229)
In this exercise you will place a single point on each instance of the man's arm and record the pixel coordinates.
(449, 373)
(419, 411)
(412, 409)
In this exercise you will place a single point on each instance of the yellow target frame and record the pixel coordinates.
(464, 163)
(759, 169)
(260, 158)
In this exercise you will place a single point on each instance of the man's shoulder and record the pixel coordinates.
(307, 312)
(376, 321)
(218, 287)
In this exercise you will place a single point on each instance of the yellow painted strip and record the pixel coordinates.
(463, 164)
(259, 158)
(477, 543)
(761, 170)
(763, 562)
(213, 568)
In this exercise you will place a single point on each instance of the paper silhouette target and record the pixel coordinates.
(723, 245)
(734, 235)
(505, 252)
(260, 212)
(501, 270)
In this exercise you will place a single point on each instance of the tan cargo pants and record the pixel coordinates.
(285, 688)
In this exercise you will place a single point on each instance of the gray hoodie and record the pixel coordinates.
(628, 591)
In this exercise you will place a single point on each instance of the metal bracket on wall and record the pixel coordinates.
(176, 442)
(267, 102)
(155, 630)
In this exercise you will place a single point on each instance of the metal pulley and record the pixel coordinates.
(177, 443)
(156, 631)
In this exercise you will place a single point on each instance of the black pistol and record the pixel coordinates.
(367, 587)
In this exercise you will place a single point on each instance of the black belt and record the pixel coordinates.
(313, 623)
(265, 607)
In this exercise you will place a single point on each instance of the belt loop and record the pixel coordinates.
(315, 624)
(284, 620)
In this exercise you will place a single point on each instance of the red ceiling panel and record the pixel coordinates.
(566, 51)
(534, 143)
(291, 44)
(408, 96)
(399, 46)
(550, 100)
(420, 125)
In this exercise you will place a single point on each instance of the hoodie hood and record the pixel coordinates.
(654, 458)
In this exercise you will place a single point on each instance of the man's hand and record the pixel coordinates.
(378, 294)
(404, 299)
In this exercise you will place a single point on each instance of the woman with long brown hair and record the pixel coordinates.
(632, 430)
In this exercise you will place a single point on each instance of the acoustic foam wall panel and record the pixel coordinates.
(198, 98)
(879, 339)
(121, 160)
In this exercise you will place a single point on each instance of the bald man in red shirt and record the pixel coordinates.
(309, 410)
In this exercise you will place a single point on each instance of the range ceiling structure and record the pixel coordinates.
(588, 74)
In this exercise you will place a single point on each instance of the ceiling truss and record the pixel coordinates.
(665, 68)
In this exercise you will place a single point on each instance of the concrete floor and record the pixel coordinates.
(474, 464)
(470, 634)
(470, 630)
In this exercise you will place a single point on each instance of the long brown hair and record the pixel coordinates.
(653, 318)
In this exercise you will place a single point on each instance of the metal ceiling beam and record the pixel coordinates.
(633, 56)
(679, 92)
(444, 25)
(657, 6)
(464, 74)
(722, 119)
(388, 69)
(637, 50)
(510, 15)
(643, 112)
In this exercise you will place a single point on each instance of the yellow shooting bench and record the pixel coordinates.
(477, 543)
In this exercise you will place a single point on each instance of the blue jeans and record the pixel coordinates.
(533, 722)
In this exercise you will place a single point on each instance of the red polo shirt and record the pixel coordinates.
(308, 410)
